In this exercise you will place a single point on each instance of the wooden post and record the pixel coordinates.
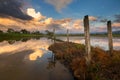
(54, 35)
(67, 35)
(87, 39)
(110, 44)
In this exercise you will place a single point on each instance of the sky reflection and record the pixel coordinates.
(38, 46)
(101, 42)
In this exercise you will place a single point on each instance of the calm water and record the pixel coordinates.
(101, 42)
(30, 59)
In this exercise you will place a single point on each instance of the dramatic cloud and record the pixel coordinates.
(18, 24)
(59, 4)
(36, 15)
(92, 18)
(13, 8)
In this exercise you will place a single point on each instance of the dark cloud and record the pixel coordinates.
(13, 8)
(117, 18)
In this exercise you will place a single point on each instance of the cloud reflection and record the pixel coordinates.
(36, 54)
(38, 46)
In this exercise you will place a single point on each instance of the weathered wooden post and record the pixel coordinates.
(87, 39)
(54, 35)
(67, 35)
(110, 44)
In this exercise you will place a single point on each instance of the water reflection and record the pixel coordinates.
(52, 62)
(101, 42)
(36, 54)
(20, 46)
(30, 60)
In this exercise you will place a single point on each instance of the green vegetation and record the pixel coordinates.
(102, 67)
(12, 34)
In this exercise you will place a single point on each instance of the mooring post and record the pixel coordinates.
(110, 43)
(87, 39)
(67, 35)
(54, 35)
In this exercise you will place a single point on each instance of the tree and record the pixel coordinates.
(1, 31)
(24, 31)
(10, 30)
(49, 33)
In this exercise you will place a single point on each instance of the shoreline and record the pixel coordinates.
(102, 67)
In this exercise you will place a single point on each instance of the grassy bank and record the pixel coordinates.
(102, 67)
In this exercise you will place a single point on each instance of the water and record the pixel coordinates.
(30, 60)
(101, 42)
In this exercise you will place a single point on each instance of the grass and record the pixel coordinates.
(102, 67)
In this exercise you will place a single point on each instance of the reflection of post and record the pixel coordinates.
(87, 39)
(53, 57)
(54, 35)
(52, 62)
(67, 35)
(109, 28)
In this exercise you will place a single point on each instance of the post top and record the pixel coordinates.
(86, 16)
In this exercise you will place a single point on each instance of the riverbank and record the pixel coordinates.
(102, 67)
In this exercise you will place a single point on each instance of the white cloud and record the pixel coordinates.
(59, 4)
(48, 21)
(34, 14)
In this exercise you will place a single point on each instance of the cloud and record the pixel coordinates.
(59, 4)
(36, 15)
(13, 8)
(51, 23)
(103, 20)
(48, 21)
(117, 18)
(116, 25)
(92, 18)
(78, 24)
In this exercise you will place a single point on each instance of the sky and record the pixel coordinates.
(60, 14)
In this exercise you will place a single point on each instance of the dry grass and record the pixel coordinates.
(102, 67)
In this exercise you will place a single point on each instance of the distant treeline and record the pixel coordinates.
(25, 33)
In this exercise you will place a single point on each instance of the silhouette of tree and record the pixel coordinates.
(1, 31)
(25, 31)
(10, 30)
(49, 33)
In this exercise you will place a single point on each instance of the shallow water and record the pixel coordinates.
(30, 60)
(101, 42)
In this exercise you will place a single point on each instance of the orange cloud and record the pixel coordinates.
(78, 24)
(117, 25)
(92, 18)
